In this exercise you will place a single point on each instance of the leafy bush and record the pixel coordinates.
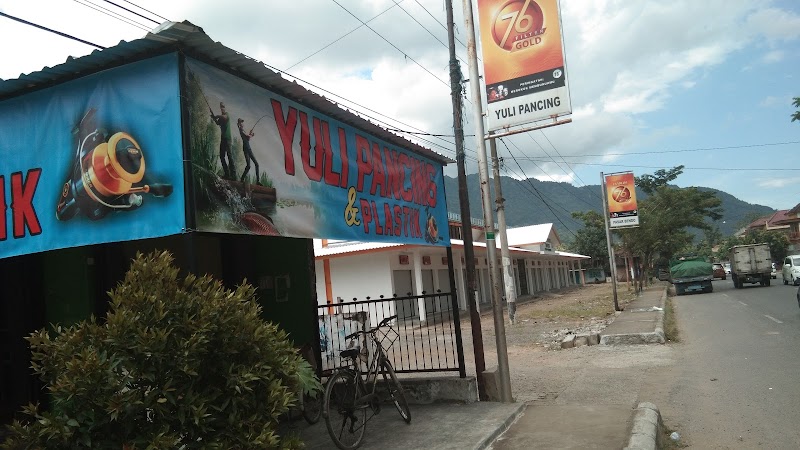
(179, 363)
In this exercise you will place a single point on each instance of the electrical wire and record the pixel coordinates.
(146, 10)
(723, 169)
(541, 197)
(548, 175)
(343, 36)
(112, 14)
(425, 28)
(732, 147)
(68, 36)
(132, 12)
(390, 43)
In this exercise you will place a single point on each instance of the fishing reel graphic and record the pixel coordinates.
(108, 174)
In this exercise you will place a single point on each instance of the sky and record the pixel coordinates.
(653, 85)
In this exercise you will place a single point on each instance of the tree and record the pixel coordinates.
(666, 216)
(660, 178)
(591, 239)
(179, 363)
(796, 103)
(777, 240)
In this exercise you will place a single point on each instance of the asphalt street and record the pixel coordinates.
(735, 380)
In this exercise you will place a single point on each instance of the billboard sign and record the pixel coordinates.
(523, 61)
(94, 160)
(621, 197)
(265, 164)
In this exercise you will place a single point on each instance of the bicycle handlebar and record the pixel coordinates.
(382, 323)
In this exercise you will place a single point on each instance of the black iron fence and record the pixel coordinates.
(428, 330)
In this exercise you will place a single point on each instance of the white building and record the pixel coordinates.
(348, 271)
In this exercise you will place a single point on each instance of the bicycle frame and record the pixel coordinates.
(359, 390)
(368, 380)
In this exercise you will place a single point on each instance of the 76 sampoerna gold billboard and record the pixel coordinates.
(523, 60)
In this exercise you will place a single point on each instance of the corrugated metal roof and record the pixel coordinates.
(343, 248)
(354, 247)
(192, 41)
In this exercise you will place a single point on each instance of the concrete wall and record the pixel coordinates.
(356, 276)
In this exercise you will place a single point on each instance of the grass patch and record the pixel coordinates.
(579, 310)
(670, 323)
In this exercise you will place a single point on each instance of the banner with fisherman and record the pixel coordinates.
(264, 164)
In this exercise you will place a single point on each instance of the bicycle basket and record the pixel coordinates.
(386, 336)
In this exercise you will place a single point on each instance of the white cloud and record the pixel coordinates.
(773, 56)
(626, 59)
(775, 182)
(771, 101)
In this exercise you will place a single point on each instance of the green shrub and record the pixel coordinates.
(179, 363)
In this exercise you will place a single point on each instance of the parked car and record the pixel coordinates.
(791, 269)
(774, 273)
(719, 271)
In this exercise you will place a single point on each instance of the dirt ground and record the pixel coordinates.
(543, 320)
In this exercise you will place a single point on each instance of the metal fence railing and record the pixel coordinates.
(428, 328)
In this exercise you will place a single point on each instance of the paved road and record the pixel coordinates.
(736, 380)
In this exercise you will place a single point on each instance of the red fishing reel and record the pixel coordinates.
(108, 174)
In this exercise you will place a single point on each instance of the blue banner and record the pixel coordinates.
(94, 160)
(264, 164)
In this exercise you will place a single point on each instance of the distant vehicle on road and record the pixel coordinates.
(791, 269)
(751, 263)
(774, 273)
(727, 267)
(719, 271)
(691, 274)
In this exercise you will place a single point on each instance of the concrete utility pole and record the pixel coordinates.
(463, 199)
(483, 170)
(508, 271)
(611, 261)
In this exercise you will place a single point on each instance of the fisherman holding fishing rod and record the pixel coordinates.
(248, 152)
(224, 123)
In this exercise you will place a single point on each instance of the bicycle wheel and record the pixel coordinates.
(312, 407)
(395, 390)
(345, 421)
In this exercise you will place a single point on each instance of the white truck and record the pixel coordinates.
(750, 263)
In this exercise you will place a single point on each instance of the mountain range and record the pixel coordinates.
(530, 202)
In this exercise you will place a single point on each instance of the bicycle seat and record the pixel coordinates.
(351, 352)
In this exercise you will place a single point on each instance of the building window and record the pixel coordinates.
(455, 232)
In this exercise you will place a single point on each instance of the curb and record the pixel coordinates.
(655, 337)
(489, 440)
(646, 428)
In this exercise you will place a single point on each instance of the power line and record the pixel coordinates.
(344, 35)
(548, 175)
(732, 147)
(68, 36)
(723, 169)
(542, 197)
(395, 47)
(112, 14)
(369, 109)
(439, 22)
(424, 27)
(132, 12)
(562, 158)
(146, 10)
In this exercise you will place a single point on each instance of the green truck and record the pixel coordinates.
(691, 274)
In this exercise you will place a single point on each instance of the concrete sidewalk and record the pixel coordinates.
(438, 426)
(641, 322)
(597, 407)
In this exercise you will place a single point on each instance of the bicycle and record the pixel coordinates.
(349, 395)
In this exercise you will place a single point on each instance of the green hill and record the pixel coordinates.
(532, 201)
